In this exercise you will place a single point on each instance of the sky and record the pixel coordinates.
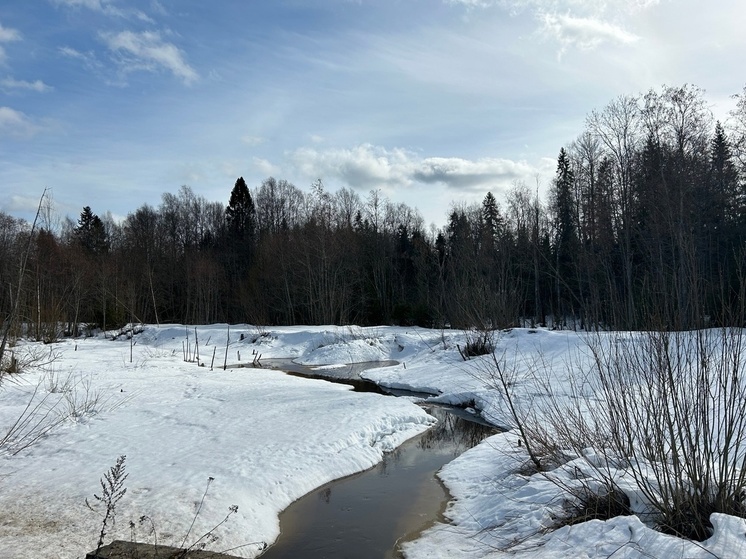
(111, 103)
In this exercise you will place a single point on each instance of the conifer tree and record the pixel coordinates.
(241, 214)
(566, 243)
(91, 233)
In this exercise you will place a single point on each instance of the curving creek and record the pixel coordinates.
(367, 515)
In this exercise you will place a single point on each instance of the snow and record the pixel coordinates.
(267, 439)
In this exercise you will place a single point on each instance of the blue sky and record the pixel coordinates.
(111, 103)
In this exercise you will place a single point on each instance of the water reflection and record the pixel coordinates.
(365, 515)
(453, 432)
(326, 495)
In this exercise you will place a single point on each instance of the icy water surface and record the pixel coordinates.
(366, 515)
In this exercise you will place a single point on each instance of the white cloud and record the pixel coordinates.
(147, 51)
(366, 166)
(106, 7)
(102, 6)
(463, 173)
(7, 35)
(96, 5)
(16, 123)
(88, 59)
(583, 24)
(265, 167)
(158, 8)
(472, 3)
(10, 83)
(363, 167)
(585, 6)
(252, 140)
(584, 33)
(71, 53)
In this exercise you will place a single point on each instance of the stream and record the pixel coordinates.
(366, 515)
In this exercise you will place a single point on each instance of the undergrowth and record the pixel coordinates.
(113, 490)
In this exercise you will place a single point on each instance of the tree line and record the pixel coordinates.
(644, 225)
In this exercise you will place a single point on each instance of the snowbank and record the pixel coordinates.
(266, 439)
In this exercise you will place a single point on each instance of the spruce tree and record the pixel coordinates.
(241, 214)
(91, 233)
(491, 218)
(566, 244)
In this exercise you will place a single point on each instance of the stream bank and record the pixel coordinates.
(368, 514)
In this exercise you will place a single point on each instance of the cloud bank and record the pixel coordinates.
(367, 167)
(105, 7)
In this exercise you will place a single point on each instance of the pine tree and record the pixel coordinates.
(91, 233)
(566, 243)
(493, 222)
(724, 196)
(241, 214)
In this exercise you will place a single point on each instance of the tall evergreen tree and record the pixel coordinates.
(91, 233)
(241, 214)
(491, 218)
(566, 243)
(241, 250)
(723, 180)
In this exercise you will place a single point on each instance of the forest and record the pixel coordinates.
(643, 226)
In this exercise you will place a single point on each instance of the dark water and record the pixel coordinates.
(349, 374)
(366, 515)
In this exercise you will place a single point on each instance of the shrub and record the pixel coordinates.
(594, 505)
(668, 408)
(112, 491)
(676, 406)
(478, 342)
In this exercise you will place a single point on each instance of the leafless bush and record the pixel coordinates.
(602, 503)
(37, 419)
(112, 491)
(52, 401)
(667, 408)
(21, 358)
(82, 400)
(675, 403)
(479, 341)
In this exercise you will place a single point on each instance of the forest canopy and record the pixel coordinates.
(644, 226)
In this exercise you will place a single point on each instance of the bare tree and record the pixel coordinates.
(15, 304)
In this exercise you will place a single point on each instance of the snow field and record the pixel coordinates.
(267, 439)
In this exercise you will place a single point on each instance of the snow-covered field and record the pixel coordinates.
(267, 439)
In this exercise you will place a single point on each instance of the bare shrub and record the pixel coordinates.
(22, 358)
(479, 341)
(675, 403)
(37, 419)
(666, 408)
(112, 491)
(600, 504)
(54, 399)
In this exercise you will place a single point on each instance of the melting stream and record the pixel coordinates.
(366, 515)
